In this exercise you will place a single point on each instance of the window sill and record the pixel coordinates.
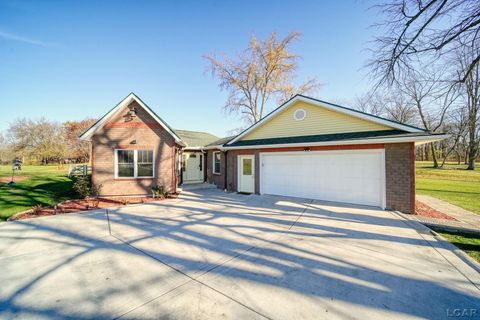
(138, 178)
(217, 174)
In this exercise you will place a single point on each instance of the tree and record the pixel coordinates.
(5, 150)
(390, 104)
(76, 148)
(40, 139)
(265, 70)
(431, 98)
(423, 32)
(471, 93)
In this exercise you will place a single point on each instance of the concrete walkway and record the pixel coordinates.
(215, 255)
(467, 221)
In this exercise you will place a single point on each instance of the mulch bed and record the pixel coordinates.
(78, 205)
(16, 179)
(422, 209)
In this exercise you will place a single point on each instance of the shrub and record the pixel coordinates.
(84, 187)
(36, 209)
(160, 192)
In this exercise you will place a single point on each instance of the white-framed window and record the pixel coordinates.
(134, 163)
(216, 162)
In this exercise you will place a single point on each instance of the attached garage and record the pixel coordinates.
(350, 176)
(314, 149)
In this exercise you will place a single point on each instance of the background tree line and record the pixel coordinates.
(42, 141)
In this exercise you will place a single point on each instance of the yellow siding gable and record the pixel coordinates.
(318, 120)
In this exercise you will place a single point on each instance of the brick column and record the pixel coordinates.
(400, 176)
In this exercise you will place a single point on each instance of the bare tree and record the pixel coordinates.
(431, 98)
(390, 104)
(373, 103)
(456, 126)
(471, 93)
(76, 148)
(421, 32)
(265, 70)
(40, 139)
(5, 150)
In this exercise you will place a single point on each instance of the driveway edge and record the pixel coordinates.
(458, 259)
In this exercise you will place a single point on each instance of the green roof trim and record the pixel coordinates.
(329, 137)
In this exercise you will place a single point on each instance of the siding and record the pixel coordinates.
(317, 121)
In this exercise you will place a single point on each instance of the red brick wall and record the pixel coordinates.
(216, 179)
(399, 166)
(400, 176)
(119, 134)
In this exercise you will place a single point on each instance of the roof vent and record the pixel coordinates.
(299, 114)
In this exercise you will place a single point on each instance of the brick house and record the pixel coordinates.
(305, 148)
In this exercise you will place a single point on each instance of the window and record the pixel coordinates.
(134, 163)
(247, 167)
(144, 163)
(125, 166)
(216, 162)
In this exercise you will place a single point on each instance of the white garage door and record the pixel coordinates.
(351, 176)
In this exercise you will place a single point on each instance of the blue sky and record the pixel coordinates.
(68, 60)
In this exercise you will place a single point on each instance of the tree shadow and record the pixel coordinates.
(249, 246)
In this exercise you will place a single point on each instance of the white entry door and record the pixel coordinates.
(246, 173)
(193, 172)
(350, 176)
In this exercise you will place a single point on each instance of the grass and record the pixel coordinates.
(470, 243)
(45, 186)
(453, 184)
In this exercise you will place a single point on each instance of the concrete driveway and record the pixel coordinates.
(209, 255)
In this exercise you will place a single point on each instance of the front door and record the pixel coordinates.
(246, 174)
(193, 170)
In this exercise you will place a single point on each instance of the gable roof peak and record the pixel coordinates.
(331, 106)
(87, 135)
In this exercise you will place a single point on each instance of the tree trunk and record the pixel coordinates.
(434, 156)
(472, 156)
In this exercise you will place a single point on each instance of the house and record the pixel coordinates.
(305, 148)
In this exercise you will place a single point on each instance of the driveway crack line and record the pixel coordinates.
(188, 276)
(301, 215)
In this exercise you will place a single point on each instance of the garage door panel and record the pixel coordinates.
(349, 176)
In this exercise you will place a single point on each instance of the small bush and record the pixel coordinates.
(160, 192)
(84, 187)
(36, 209)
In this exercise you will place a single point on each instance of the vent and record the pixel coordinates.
(299, 114)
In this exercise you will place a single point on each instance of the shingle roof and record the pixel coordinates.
(220, 141)
(330, 137)
(196, 138)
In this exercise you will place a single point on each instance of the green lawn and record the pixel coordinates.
(469, 243)
(453, 184)
(46, 185)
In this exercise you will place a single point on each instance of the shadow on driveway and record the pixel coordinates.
(210, 254)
